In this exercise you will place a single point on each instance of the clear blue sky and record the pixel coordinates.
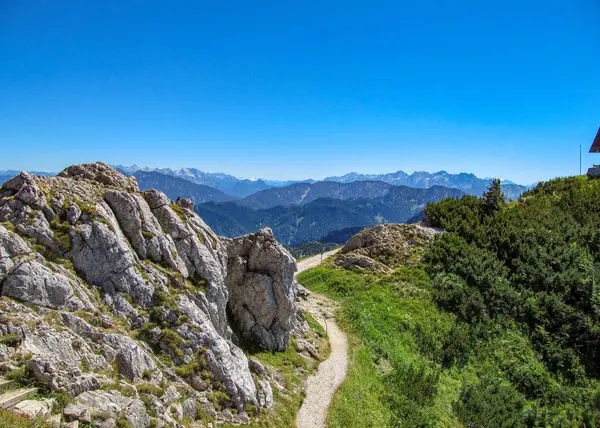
(282, 89)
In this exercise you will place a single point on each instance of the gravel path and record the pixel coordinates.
(314, 260)
(323, 384)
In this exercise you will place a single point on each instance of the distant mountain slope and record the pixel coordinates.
(175, 187)
(302, 193)
(226, 183)
(342, 235)
(5, 177)
(468, 183)
(313, 220)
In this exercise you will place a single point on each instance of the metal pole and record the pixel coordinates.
(580, 159)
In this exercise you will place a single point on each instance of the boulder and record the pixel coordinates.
(29, 281)
(106, 407)
(260, 280)
(143, 230)
(34, 408)
(385, 246)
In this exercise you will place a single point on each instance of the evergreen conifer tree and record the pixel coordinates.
(494, 198)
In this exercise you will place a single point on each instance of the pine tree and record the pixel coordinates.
(494, 198)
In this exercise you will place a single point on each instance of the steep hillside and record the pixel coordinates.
(125, 309)
(492, 323)
(310, 222)
(179, 188)
(302, 193)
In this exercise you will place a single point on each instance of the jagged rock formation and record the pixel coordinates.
(384, 247)
(260, 280)
(116, 288)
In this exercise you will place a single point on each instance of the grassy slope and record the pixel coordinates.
(525, 290)
(396, 377)
(390, 321)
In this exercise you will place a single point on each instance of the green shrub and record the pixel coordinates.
(147, 234)
(149, 388)
(10, 340)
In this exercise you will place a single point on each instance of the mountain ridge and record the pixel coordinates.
(293, 224)
(467, 182)
(175, 187)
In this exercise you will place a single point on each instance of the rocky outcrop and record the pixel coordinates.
(107, 289)
(100, 173)
(382, 248)
(260, 276)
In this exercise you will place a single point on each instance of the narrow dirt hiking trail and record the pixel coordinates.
(322, 385)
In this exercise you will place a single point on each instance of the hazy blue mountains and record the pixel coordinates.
(175, 187)
(302, 193)
(468, 183)
(313, 220)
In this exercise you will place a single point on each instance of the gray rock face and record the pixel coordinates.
(204, 256)
(143, 229)
(131, 359)
(29, 281)
(225, 360)
(261, 292)
(11, 246)
(111, 276)
(103, 256)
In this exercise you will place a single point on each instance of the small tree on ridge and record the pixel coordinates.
(494, 198)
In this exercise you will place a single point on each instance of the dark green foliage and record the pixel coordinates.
(503, 330)
(493, 199)
(537, 264)
(490, 404)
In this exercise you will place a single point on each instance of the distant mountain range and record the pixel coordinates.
(226, 183)
(241, 188)
(311, 221)
(302, 193)
(175, 187)
(306, 210)
(468, 183)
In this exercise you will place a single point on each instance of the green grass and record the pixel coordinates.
(10, 419)
(395, 334)
(359, 401)
(314, 324)
(10, 340)
(405, 368)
